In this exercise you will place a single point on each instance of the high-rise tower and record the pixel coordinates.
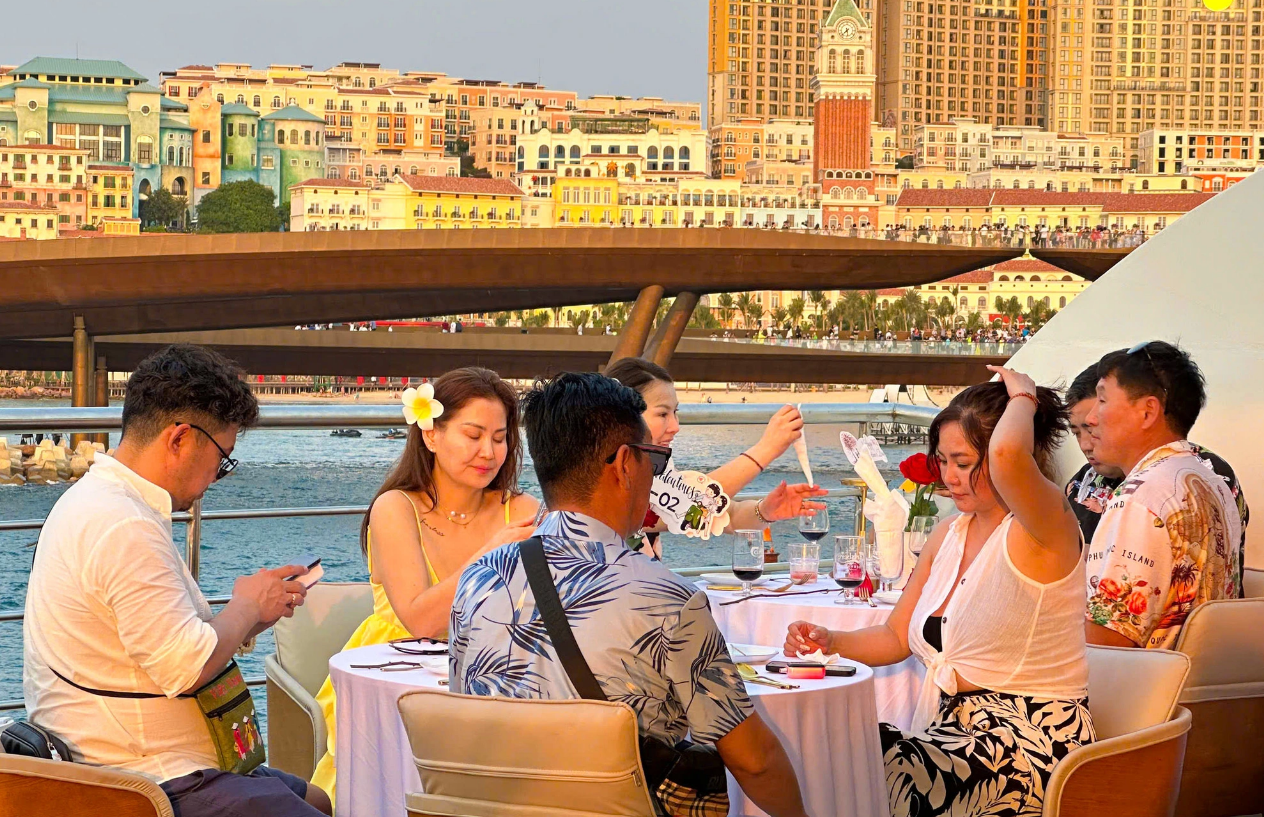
(843, 89)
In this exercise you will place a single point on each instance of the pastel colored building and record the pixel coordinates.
(294, 139)
(239, 128)
(100, 106)
(47, 175)
(28, 220)
(331, 204)
(445, 202)
(110, 192)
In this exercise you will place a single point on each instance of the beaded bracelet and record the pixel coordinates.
(1026, 394)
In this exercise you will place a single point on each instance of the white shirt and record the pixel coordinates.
(1002, 631)
(112, 606)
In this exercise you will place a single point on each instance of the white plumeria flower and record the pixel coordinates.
(420, 407)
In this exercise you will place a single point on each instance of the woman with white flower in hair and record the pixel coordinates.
(452, 497)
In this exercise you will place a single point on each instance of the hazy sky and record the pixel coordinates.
(642, 48)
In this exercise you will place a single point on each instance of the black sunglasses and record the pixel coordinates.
(1144, 346)
(424, 646)
(226, 463)
(658, 454)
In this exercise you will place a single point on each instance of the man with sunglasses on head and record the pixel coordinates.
(1170, 537)
(117, 632)
(645, 634)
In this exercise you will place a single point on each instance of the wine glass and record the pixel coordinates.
(813, 528)
(849, 566)
(920, 532)
(889, 560)
(748, 558)
(805, 562)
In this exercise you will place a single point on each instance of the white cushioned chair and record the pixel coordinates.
(1134, 768)
(32, 787)
(1253, 583)
(570, 758)
(1224, 764)
(297, 737)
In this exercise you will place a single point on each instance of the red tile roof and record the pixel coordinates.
(460, 184)
(112, 168)
(981, 276)
(1153, 202)
(965, 197)
(1048, 198)
(1025, 265)
(896, 293)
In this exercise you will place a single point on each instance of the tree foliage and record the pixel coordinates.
(239, 207)
(160, 207)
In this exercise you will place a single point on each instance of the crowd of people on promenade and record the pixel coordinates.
(1003, 600)
(1102, 236)
(947, 335)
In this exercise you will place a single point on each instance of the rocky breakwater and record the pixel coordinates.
(45, 463)
(31, 392)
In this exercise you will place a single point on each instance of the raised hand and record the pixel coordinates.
(788, 501)
(806, 637)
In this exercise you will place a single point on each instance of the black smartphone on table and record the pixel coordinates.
(838, 670)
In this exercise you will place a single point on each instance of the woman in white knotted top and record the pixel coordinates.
(994, 609)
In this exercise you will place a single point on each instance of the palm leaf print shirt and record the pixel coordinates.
(646, 633)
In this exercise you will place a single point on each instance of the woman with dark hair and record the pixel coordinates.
(658, 390)
(452, 497)
(994, 609)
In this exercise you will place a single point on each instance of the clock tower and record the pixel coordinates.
(843, 90)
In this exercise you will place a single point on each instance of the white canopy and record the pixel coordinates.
(1198, 283)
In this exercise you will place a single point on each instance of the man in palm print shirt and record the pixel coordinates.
(646, 633)
(1170, 535)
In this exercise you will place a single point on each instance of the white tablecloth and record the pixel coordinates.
(764, 621)
(829, 729)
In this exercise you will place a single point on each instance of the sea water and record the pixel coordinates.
(308, 468)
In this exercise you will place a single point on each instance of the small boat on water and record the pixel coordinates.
(393, 434)
(344, 432)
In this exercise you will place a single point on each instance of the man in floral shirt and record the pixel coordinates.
(1170, 536)
(1093, 486)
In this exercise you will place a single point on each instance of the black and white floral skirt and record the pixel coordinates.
(986, 753)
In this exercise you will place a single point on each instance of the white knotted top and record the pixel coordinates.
(1002, 631)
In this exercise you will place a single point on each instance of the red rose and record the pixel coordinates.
(651, 519)
(920, 469)
(1137, 603)
(1109, 588)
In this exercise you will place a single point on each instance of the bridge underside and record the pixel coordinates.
(178, 283)
(415, 354)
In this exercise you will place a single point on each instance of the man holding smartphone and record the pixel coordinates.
(117, 631)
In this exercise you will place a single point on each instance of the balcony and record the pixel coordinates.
(19, 164)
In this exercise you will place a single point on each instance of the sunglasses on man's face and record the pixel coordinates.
(658, 454)
(1144, 347)
(226, 463)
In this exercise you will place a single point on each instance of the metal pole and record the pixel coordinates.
(193, 539)
(102, 397)
(81, 372)
(637, 330)
(667, 337)
(860, 503)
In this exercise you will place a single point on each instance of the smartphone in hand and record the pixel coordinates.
(315, 572)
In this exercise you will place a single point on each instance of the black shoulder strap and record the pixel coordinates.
(106, 693)
(554, 617)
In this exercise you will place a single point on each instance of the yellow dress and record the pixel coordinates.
(380, 627)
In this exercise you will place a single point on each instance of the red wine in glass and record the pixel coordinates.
(813, 535)
(849, 576)
(748, 574)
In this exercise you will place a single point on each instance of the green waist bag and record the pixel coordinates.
(229, 712)
(230, 716)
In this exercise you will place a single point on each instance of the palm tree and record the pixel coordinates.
(557, 314)
(914, 309)
(743, 304)
(796, 311)
(855, 310)
(577, 319)
(837, 314)
(755, 311)
(820, 305)
(974, 322)
(725, 300)
(870, 299)
(778, 316)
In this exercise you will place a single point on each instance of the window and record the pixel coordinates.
(230, 128)
(145, 150)
(268, 162)
(206, 181)
(256, 102)
(206, 137)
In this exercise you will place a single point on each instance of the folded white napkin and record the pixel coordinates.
(817, 657)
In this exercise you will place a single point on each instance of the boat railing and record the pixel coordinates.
(288, 417)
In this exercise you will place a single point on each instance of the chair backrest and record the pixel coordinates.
(1253, 583)
(569, 756)
(34, 787)
(1130, 689)
(320, 628)
(1225, 644)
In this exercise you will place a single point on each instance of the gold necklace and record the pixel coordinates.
(460, 519)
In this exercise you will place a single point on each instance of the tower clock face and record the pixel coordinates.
(847, 30)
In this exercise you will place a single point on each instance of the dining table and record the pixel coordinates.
(829, 728)
(764, 618)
